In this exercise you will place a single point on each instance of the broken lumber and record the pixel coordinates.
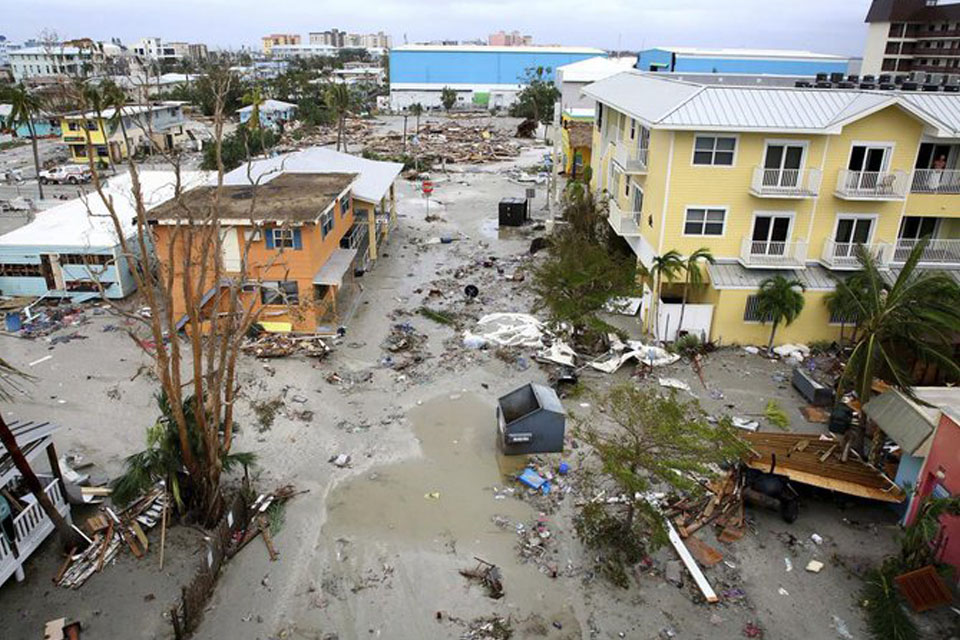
(826, 455)
(702, 583)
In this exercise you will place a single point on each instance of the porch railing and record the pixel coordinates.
(935, 181)
(765, 253)
(790, 183)
(945, 252)
(872, 185)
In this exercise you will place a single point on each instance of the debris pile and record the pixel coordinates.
(455, 142)
(49, 319)
(487, 574)
(258, 522)
(404, 344)
(111, 531)
(722, 505)
(278, 345)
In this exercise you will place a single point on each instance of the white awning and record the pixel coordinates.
(331, 273)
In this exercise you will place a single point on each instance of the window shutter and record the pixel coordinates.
(297, 242)
(268, 235)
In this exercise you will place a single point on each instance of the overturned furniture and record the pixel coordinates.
(27, 524)
(531, 420)
(513, 212)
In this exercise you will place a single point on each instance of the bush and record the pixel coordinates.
(238, 147)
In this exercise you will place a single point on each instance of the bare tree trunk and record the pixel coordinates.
(683, 307)
(36, 157)
(68, 537)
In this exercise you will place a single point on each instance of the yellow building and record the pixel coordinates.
(774, 180)
(148, 128)
(274, 39)
(576, 140)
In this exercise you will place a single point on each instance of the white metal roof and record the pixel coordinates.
(593, 69)
(752, 53)
(670, 103)
(372, 184)
(733, 275)
(490, 49)
(85, 223)
(270, 105)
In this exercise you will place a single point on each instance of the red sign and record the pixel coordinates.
(427, 186)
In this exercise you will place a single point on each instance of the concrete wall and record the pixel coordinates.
(667, 61)
(473, 67)
(875, 47)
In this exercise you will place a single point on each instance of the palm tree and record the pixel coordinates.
(69, 538)
(338, 100)
(843, 303)
(417, 110)
(779, 300)
(664, 266)
(918, 314)
(115, 98)
(25, 106)
(692, 276)
(163, 460)
(254, 98)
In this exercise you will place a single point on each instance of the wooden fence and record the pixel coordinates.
(186, 616)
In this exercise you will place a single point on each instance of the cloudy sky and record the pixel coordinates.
(831, 26)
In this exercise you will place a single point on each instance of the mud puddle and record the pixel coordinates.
(431, 516)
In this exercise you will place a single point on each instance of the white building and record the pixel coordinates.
(571, 78)
(61, 60)
(289, 51)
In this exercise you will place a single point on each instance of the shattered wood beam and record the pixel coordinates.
(702, 583)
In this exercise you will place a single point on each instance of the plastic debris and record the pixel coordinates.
(788, 564)
(814, 566)
(745, 424)
(673, 383)
(508, 330)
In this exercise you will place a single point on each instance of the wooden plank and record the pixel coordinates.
(53, 630)
(702, 583)
(141, 536)
(96, 491)
(704, 553)
(106, 545)
(66, 563)
(267, 539)
(826, 455)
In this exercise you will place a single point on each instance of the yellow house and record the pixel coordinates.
(774, 180)
(163, 124)
(576, 140)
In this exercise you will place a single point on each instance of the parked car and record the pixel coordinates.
(67, 174)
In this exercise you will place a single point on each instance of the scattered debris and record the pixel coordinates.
(341, 460)
(508, 330)
(277, 345)
(487, 574)
(814, 566)
(674, 383)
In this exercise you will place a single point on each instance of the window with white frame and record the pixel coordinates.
(282, 238)
(326, 223)
(282, 292)
(704, 221)
(714, 150)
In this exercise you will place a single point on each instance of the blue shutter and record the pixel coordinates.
(297, 242)
(268, 236)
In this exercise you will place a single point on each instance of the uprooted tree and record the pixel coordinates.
(197, 371)
(584, 270)
(655, 443)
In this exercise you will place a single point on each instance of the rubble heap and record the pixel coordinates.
(455, 142)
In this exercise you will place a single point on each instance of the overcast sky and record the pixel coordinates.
(829, 26)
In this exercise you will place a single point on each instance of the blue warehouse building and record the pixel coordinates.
(780, 62)
(482, 76)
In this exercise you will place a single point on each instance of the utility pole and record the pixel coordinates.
(404, 133)
(552, 182)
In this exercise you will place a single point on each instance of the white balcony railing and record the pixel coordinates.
(625, 223)
(630, 159)
(786, 183)
(936, 181)
(937, 251)
(33, 525)
(844, 255)
(872, 185)
(773, 255)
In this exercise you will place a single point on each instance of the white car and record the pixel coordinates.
(68, 174)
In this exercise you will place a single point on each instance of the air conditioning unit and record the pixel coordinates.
(802, 84)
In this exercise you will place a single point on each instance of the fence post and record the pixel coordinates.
(175, 619)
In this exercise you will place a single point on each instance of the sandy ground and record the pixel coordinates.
(373, 550)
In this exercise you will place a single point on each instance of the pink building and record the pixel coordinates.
(512, 39)
(940, 476)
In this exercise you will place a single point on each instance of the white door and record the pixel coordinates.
(782, 165)
(850, 233)
(230, 246)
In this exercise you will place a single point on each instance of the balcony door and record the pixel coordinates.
(850, 233)
(912, 230)
(770, 234)
(782, 165)
(866, 163)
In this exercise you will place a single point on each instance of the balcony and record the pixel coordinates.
(935, 181)
(625, 223)
(872, 185)
(632, 161)
(31, 527)
(763, 254)
(785, 183)
(842, 256)
(941, 252)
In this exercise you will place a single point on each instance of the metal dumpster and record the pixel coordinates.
(513, 212)
(531, 420)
